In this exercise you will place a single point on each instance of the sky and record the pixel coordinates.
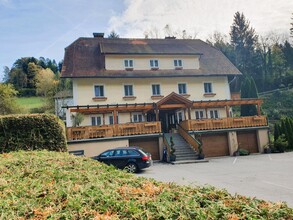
(43, 28)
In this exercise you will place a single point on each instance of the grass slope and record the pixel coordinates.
(41, 185)
(28, 103)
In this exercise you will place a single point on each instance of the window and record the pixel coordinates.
(154, 63)
(208, 88)
(96, 120)
(111, 119)
(178, 63)
(137, 117)
(133, 153)
(128, 90)
(214, 114)
(99, 91)
(128, 63)
(108, 153)
(199, 114)
(182, 88)
(156, 89)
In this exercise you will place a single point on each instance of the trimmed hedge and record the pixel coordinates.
(32, 132)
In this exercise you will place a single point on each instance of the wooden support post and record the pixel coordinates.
(115, 117)
(104, 121)
(157, 113)
(227, 111)
(189, 114)
(258, 109)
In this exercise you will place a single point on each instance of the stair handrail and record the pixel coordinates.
(193, 141)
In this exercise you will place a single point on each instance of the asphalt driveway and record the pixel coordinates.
(264, 176)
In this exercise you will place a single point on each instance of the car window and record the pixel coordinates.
(120, 153)
(142, 152)
(133, 153)
(108, 153)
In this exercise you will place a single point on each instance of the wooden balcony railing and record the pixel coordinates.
(88, 132)
(224, 123)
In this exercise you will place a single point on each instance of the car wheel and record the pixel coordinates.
(131, 168)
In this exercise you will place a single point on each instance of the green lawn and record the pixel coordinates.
(29, 103)
(51, 185)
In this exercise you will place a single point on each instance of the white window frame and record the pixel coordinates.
(213, 113)
(128, 63)
(112, 116)
(154, 63)
(94, 117)
(209, 90)
(199, 114)
(178, 63)
(103, 90)
(127, 95)
(185, 88)
(156, 84)
(137, 117)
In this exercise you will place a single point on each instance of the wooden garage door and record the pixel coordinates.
(150, 145)
(215, 145)
(247, 140)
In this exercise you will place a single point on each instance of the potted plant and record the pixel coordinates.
(172, 150)
(267, 149)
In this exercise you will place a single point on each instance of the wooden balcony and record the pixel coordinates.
(224, 123)
(89, 132)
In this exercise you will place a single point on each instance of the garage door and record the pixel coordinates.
(150, 145)
(215, 145)
(247, 140)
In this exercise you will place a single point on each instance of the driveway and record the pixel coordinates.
(264, 176)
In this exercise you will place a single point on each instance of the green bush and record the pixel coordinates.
(280, 144)
(63, 186)
(32, 132)
(243, 152)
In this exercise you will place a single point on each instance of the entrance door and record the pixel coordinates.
(168, 119)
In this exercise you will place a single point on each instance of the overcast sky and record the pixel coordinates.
(45, 27)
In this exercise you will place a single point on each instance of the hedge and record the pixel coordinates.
(32, 132)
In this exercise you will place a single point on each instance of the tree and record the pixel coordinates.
(6, 71)
(46, 83)
(8, 103)
(243, 39)
(248, 90)
(113, 34)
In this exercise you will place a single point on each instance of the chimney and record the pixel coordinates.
(173, 37)
(99, 35)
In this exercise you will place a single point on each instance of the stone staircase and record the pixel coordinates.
(183, 150)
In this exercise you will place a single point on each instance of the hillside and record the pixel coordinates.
(278, 104)
(39, 185)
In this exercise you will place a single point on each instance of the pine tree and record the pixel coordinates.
(243, 39)
(248, 90)
(276, 131)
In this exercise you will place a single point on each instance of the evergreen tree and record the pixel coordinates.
(248, 90)
(276, 131)
(243, 39)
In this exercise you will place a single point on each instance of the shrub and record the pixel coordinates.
(31, 132)
(243, 152)
(280, 144)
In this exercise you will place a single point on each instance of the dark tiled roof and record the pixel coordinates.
(86, 57)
